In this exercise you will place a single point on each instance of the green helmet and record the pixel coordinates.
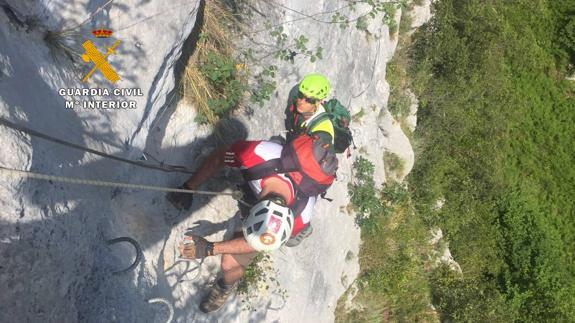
(315, 86)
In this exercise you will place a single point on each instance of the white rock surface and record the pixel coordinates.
(54, 258)
(441, 253)
(396, 142)
(55, 264)
(420, 14)
(411, 119)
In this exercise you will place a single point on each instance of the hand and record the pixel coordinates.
(195, 247)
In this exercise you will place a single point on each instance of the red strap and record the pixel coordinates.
(297, 226)
(243, 153)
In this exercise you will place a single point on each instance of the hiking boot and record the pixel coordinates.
(181, 201)
(217, 296)
(304, 233)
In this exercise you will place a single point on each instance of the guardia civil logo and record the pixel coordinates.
(97, 51)
(98, 59)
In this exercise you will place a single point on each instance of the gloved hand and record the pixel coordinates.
(195, 247)
(181, 201)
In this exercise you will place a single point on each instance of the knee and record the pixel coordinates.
(230, 264)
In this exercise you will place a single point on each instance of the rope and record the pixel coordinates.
(237, 195)
(91, 15)
(372, 72)
(305, 16)
(164, 168)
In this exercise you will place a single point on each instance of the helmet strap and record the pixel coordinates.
(307, 115)
(277, 199)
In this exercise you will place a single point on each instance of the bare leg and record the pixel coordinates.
(224, 287)
(209, 167)
(231, 269)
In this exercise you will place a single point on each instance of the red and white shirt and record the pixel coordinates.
(247, 154)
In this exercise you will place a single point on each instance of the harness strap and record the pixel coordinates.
(267, 168)
(317, 120)
(299, 204)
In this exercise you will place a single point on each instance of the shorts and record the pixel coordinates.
(244, 259)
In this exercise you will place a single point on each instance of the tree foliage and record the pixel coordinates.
(496, 134)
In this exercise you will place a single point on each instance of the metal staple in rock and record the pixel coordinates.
(198, 268)
(138, 252)
(170, 307)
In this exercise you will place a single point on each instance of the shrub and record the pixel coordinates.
(211, 78)
(393, 164)
(365, 198)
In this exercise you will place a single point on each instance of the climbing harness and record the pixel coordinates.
(237, 195)
(164, 301)
(136, 247)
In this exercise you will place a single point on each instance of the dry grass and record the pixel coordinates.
(197, 89)
(373, 308)
(63, 42)
(215, 37)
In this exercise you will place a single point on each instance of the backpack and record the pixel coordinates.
(306, 160)
(340, 118)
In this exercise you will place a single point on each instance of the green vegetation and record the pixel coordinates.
(393, 165)
(495, 141)
(496, 138)
(212, 78)
(383, 9)
(254, 273)
(259, 279)
(220, 71)
(393, 283)
(365, 198)
(400, 99)
(266, 85)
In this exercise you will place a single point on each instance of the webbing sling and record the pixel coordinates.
(272, 167)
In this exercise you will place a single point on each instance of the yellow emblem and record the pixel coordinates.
(93, 55)
(267, 239)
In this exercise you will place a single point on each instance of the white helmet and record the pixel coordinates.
(269, 224)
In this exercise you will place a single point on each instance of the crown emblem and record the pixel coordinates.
(102, 33)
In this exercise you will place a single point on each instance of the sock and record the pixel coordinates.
(223, 285)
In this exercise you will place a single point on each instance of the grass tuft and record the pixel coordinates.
(63, 43)
(393, 164)
(212, 79)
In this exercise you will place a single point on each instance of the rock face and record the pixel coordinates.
(55, 262)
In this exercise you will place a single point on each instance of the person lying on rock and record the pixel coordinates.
(285, 181)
